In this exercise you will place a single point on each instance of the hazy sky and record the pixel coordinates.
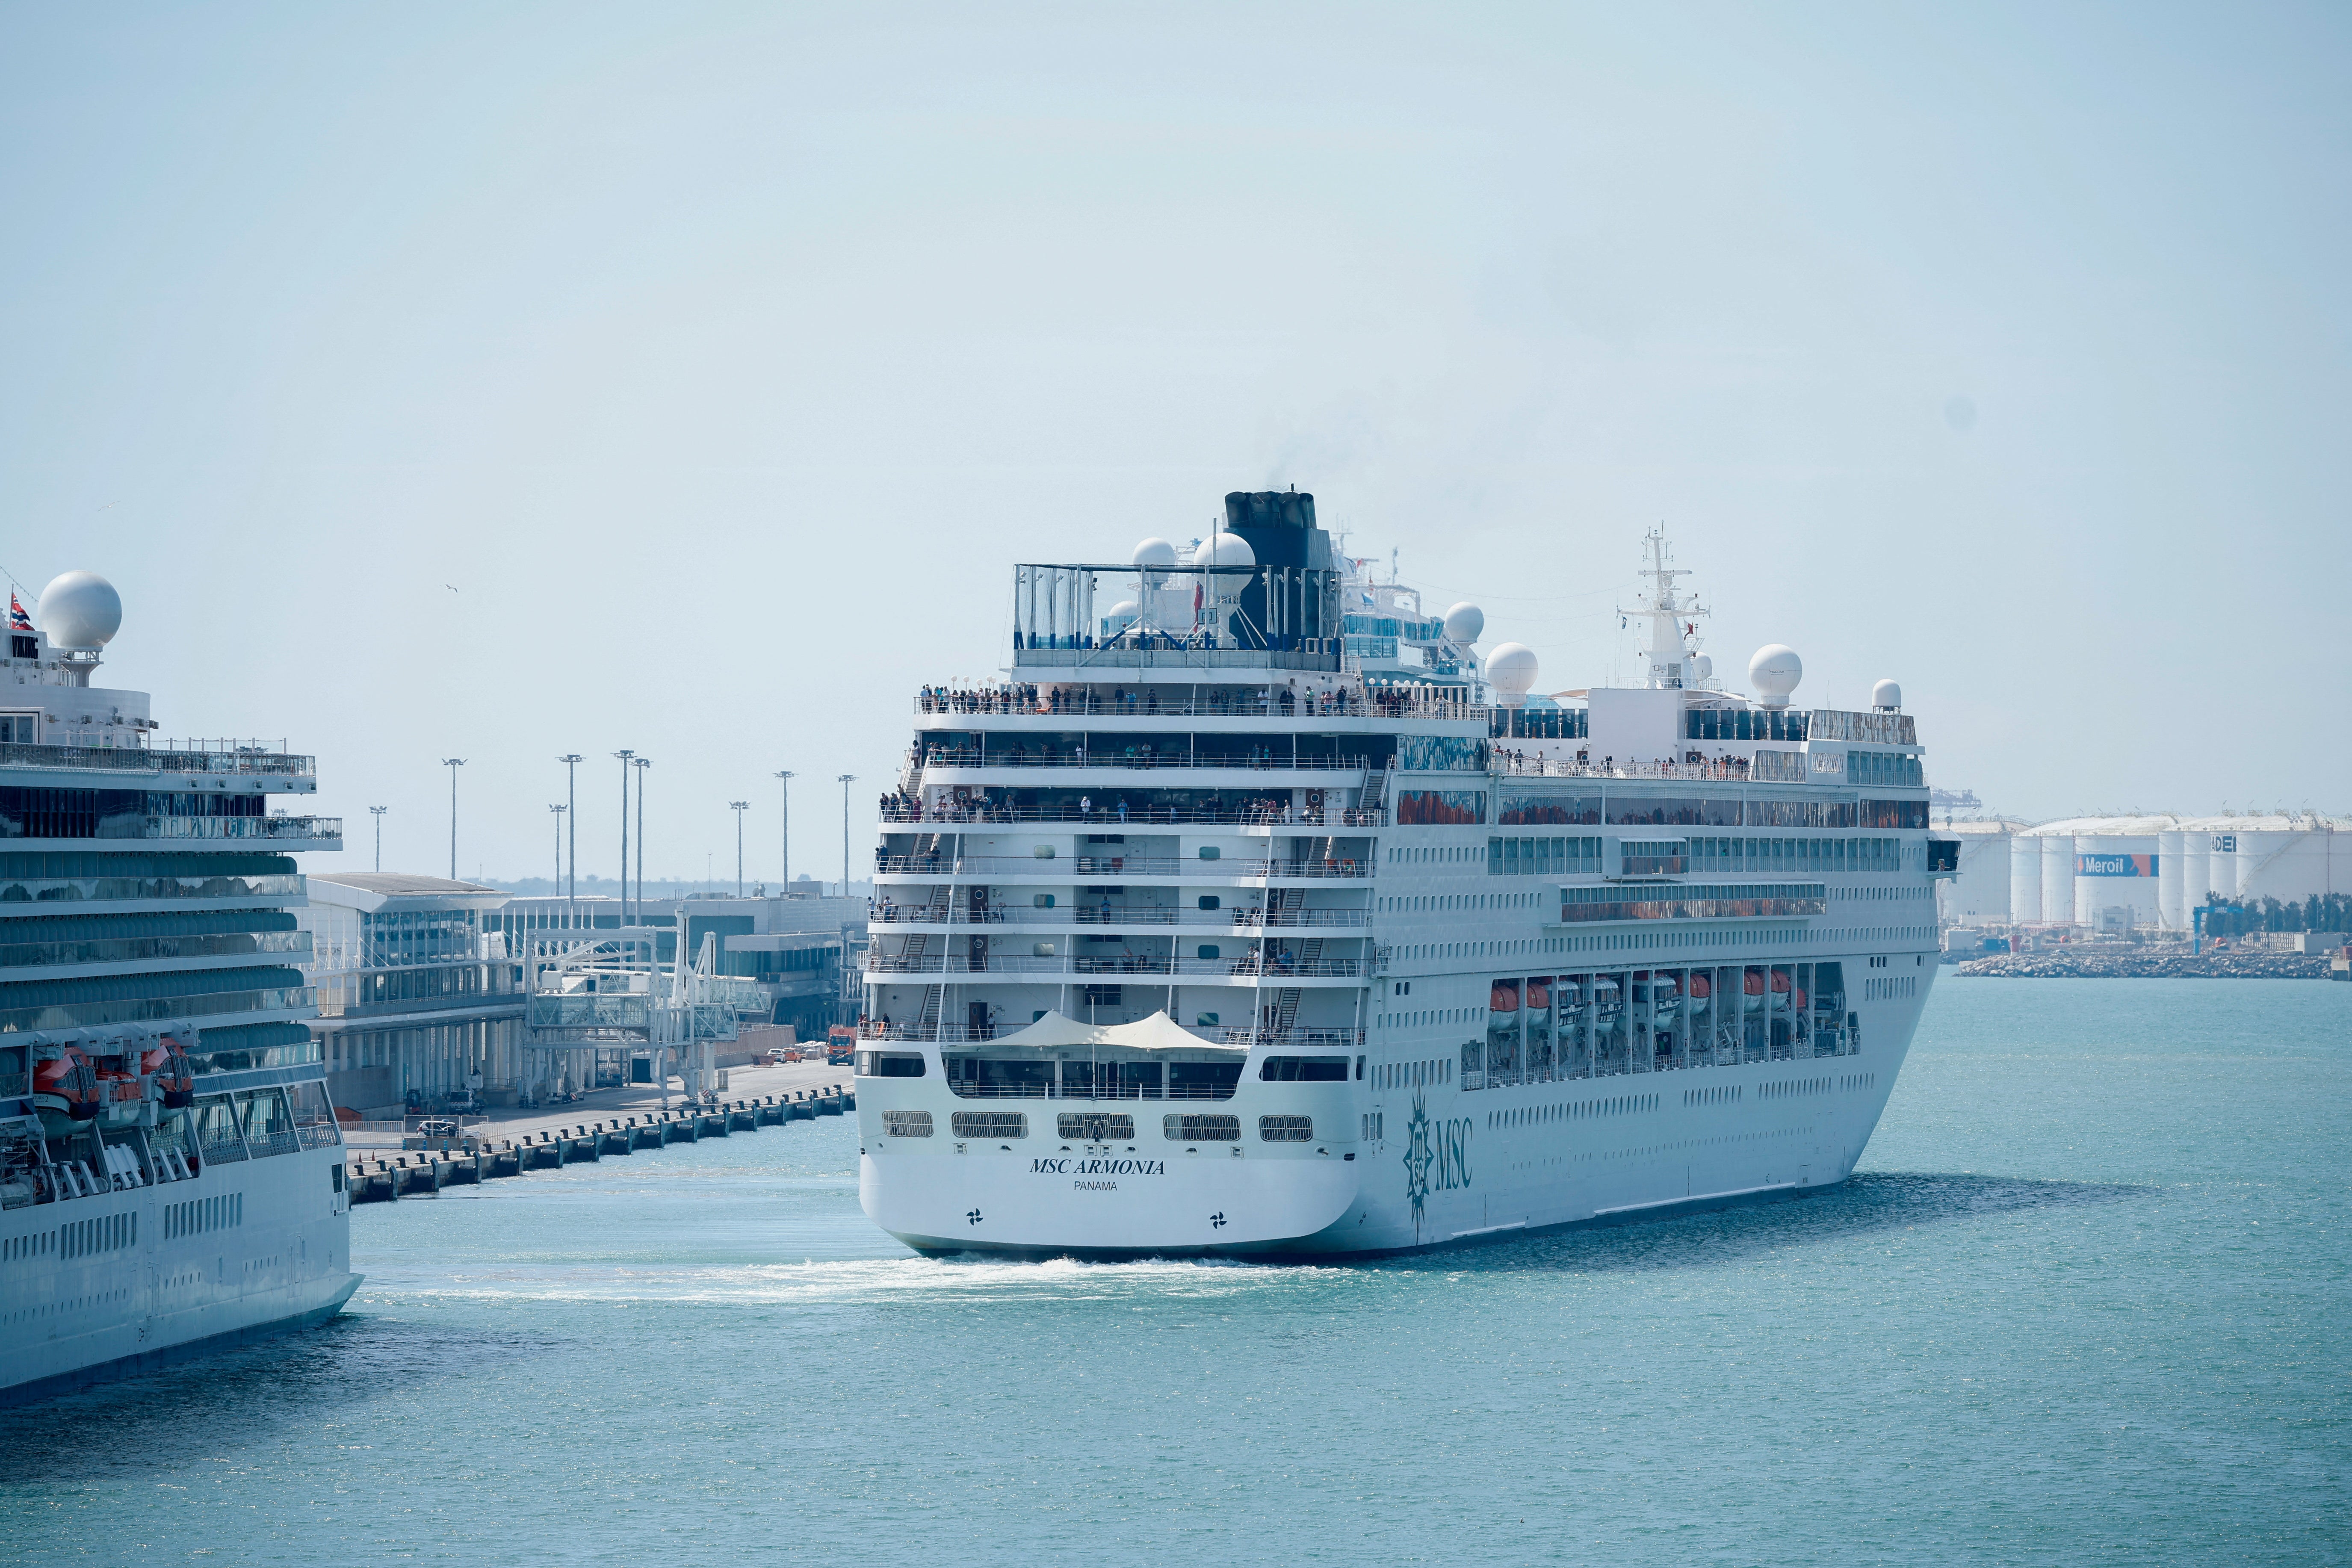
(501, 382)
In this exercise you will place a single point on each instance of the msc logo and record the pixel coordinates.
(1437, 1157)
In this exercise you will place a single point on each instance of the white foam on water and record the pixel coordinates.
(877, 1280)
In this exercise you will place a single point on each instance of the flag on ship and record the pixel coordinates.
(18, 621)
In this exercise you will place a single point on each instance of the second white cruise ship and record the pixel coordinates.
(1259, 913)
(170, 1170)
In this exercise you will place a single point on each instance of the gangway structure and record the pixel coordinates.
(593, 993)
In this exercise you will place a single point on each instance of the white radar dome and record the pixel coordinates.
(1704, 665)
(1886, 695)
(1510, 671)
(81, 610)
(1224, 550)
(1124, 610)
(1464, 622)
(1155, 552)
(1774, 673)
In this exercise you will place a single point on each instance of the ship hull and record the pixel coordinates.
(109, 1286)
(1456, 1167)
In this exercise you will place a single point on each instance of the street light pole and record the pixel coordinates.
(641, 765)
(625, 756)
(847, 780)
(784, 824)
(559, 845)
(738, 807)
(378, 811)
(572, 761)
(454, 764)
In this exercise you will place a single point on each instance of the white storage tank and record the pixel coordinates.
(2169, 872)
(2291, 858)
(2114, 871)
(2196, 867)
(2057, 872)
(1980, 894)
(2222, 857)
(2025, 879)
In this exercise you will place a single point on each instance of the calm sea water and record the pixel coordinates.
(2087, 1301)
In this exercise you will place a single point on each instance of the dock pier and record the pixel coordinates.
(376, 1178)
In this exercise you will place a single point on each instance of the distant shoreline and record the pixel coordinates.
(2227, 964)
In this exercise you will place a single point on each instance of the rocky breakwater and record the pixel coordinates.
(2121, 961)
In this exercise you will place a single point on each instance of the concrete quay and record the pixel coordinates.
(537, 1141)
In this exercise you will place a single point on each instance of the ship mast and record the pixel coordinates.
(1671, 617)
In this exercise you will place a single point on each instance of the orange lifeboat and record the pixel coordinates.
(1502, 996)
(69, 1080)
(1539, 995)
(1701, 986)
(1751, 987)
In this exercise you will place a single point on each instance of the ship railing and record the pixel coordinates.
(1107, 816)
(966, 1088)
(1078, 866)
(133, 949)
(1127, 758)
(1733, 770)
(963, 1034)
(960, 702)
(1295, 1039)
(1136, 963)
(240, 828)
(170, 757)
(145, 1009)
(1236, 921)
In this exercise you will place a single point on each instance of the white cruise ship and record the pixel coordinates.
(1260, 913)
(170, 1175)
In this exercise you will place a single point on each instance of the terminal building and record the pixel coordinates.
(424, 983)
(417, 999)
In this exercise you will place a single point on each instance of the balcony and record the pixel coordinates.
(1236, 920)
(1138, 816)
(1244, 967)
(1129, 760)
(1108, 865)
(135, 759)
(143, 949)
(276, 828)
(157, 1009)
(962, 1034)
(1396, 702)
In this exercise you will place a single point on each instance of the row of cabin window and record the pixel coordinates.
(1082, 1127)
(77, 1238)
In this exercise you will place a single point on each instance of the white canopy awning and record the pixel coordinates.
(1158, 1033)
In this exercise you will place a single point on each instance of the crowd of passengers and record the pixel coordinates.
(1141, 754)
(1286, 701)
(1692, 765)
(971, 804)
